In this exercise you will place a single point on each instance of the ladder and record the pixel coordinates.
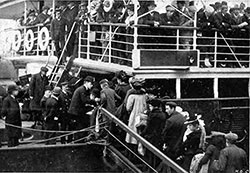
(61, 70)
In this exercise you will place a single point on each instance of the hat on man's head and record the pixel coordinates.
(12, 88)
(64, 83)
(231, 136)
(48, 87)
(45, 69)
(172, 104)
(247, 10)
(151, 3)
(138, 82)
(45, 8)
(103, 81)
(155, 102)
(56, 90)
(83, 4)
(181, 1)
(192, 119)
(89, 79)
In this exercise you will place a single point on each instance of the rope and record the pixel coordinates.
(45, 140)
(45, 131)
(131, 151)
(231, 50)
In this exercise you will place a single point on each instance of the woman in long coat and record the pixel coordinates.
(136, 104)
(11, 111)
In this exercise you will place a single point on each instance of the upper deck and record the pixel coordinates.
(146, 51)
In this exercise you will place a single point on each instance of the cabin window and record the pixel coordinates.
(196, 88)
(233, 87)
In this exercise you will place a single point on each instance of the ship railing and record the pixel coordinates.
(165, 160)
(106, 42)
(29, 41)
(216, 49)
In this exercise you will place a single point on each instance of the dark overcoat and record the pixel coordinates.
(36, 90)
(11, 111)
(108, 98)
(79, 100)
(156, 122)
(57, 29)
(173, 133)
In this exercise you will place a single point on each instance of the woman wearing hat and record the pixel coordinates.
(11, 111)
(136, 104)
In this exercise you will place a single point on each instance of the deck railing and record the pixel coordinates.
(115, 42)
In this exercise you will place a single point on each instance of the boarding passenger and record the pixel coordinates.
(136, 105)
(155, 125)
(58, 32)
(11, 110)
(64, 100)
(232, 158)
(218, 142)
(191, 141)
(52, 115)
(78, 106)
(36, 92)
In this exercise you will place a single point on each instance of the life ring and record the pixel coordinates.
(17, 40)
(43, 38)
(29, 40)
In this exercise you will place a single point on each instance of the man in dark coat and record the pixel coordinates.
(58, 32)
(155, 125)
(43, 17)
(11, 111)
(36, 92)
(232, 158)
(52, 114)
(173, 130)
(65, 99)
(70, 15)
(223, 20)
(108, 97)
(79, 104)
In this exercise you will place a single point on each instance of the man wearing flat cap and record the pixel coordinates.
(11, 111)
(79, 103)
(108, 96)
(232, 158)
(173, 130)
(36, 92)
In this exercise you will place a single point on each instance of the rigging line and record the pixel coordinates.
(231, 50)
(131, 151)
(45, 140)
(46, 131)
(34, 6)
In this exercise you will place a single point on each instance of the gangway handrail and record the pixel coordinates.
(144, 142)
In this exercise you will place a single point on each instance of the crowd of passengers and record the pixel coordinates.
(162, 123)
(231, 22)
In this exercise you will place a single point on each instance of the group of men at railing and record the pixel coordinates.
(230, 23)
(165, 125)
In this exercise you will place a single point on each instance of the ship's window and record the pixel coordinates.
(196, 88)
(163, 88)
(233, 87)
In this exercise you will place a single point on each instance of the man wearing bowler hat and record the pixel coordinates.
(78, 106)
(11, 111)
(232, 158)
(36, 92)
